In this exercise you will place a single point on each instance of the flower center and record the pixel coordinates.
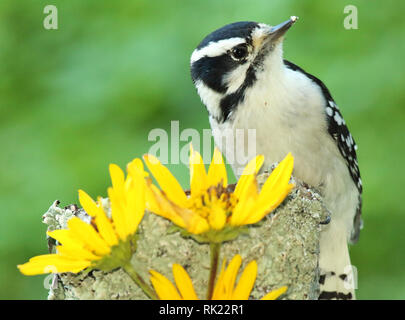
(213, 199)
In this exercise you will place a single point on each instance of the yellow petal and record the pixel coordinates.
(116, 195)
(217, 218)
(217, 170)
(193, 221)
(248, 175)
(230, 275)
(103, 223)
(159, 205)
(262, 208)
(117, 213)
(67, 238)
(105, 228)
(273, 295)
(183, 283)
(163, 287)
(136, 195)
(88, 235)
(135, 209)
(219, 285)
(72, 247)
(166, 180)
(117, 177)
(245, 204)
(183, 217)
(274, 190)
(52, 263)
(279, 177)
(135, 167)
(198, 176)
(76, 253)
(246, 282)
(88, 204)
(246, 191)
(152, 203)
(227, 283)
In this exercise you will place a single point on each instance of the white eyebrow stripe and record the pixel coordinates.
(214, 49)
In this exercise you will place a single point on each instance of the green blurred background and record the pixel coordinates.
(75, 99)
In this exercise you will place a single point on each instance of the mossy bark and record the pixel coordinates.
(285, 245)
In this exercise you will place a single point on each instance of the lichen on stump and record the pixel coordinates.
(285, 245)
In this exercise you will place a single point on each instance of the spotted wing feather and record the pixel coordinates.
(344, 140)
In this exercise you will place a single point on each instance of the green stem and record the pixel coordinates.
(139, 281)
(214, 252)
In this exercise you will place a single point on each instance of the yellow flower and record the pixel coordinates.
(212, 207)
(225, 288)
(106, 243)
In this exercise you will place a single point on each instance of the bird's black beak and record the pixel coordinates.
(279, 30)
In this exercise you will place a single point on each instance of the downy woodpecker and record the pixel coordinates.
(245, 83)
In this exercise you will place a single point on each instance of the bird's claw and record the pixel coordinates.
(326, 221)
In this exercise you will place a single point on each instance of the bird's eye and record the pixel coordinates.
(239, 52)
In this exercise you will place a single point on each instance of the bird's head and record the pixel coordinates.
(229, 60)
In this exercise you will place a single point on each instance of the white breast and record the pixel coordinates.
(287, 112)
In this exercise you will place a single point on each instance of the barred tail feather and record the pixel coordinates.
(336, 272)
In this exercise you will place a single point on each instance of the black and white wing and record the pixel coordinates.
(338, 130)
(347, 147)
